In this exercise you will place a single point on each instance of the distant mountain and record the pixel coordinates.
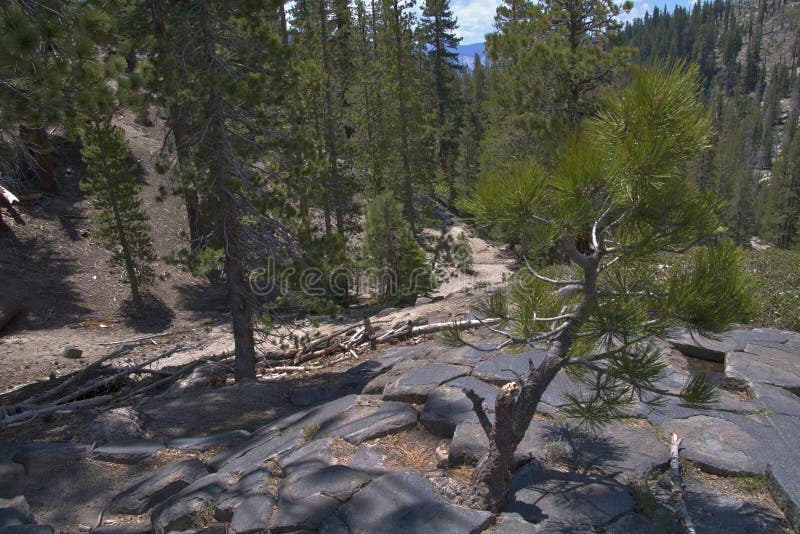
(467, 52)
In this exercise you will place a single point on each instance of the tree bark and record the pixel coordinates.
(245, 356)
(514, 409)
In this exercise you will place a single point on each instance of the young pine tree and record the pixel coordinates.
(619, 208)
(391, 255)
(122, 224)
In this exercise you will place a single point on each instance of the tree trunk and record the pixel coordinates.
(130, 268)
(38, 143)
(177, 124)
(514, 409)
(244, 345)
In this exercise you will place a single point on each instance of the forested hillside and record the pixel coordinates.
(340, 136)
(748, 54)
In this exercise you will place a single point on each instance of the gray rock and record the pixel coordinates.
(504, 368)
(127, 452)
(369, 459)
(445, 408)
(422, 300)
(512, 524)
(253, 515)
(27, 529)
(310, 456)
(117, 424)
(620, 450)
(73, 353)
(256, 482)
(204, 443)
(333, 524)
(719, 514)
(254, 452)
(179, 511)
(485, 391)
(784, 486)
(336, 481)
(768, 366)
(720, 445)
(11, 473)
(386, 311)
(310, 396)
(303, 515)
(776, 399)
(143, 527)
(406, 502)
(363, 423)
(415, 385)
(15, 512)
(567, 498)
(150, 491)
(469, 444)
(316, 415)
(633, 524)
(43, 459)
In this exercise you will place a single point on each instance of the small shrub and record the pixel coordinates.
(461, 252)
(310, 430)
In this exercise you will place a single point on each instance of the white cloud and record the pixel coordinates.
(475, 18)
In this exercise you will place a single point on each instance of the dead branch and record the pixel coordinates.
(677, 489)
(11, 421)
(138, 340)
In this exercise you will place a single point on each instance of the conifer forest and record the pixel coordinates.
(292, 173)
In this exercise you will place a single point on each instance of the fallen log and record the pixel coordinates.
(677, 489)
(14, 420)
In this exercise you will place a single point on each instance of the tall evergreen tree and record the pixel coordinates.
(122, 223)
(438, 26)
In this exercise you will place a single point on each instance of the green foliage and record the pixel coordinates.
(391, 256)
(615, 204)
(461, 252)
(122, 223)
(775, 278)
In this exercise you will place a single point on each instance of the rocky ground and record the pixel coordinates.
(365, 447)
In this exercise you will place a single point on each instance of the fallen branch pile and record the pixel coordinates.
(354, 337)
(103, 383)
(100, 384)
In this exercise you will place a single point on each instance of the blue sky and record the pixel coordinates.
(475, 17)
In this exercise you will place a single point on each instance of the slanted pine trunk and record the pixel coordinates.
(514, 409)
(244, 344)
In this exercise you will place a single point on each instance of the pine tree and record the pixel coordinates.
(438, 27)
(616, 206)
(122, 223)
(549, 60)
(390, 254)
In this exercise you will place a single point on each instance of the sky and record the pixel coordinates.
(475, 17)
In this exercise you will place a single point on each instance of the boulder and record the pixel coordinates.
(567, 498)
(142, 527)
(784, 486)
(415, 385)
(369, 459)
(212, 441)
(116, 424)
(127, 452)
(504, 368)
(180, 511)
(406, 502)
(256, 482)
(27, 529)
(15, 512)
(634, 524)
(772, 366)
(445, 408)
(253, 515)
(72, 353)
(720, 445)
(43, 459)
(148, 492)
(307, 498)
